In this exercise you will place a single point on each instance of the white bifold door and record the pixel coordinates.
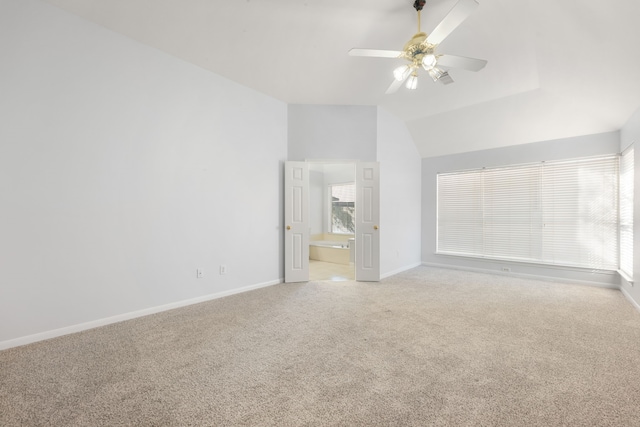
(297, 222)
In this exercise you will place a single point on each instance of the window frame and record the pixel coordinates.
(626, 212)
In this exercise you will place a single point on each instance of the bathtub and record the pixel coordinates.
(330, 244)
(330, 251)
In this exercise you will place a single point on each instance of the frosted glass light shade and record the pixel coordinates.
(412, 83)
(435, 73)
(428, 62)
(401, 73)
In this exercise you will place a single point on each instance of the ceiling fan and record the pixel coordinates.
(420, 51)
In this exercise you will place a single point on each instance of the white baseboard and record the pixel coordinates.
(29, 339)
(400, 270)
(630, 298)
(524, 276)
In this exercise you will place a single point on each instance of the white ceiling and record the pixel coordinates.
(557, 68)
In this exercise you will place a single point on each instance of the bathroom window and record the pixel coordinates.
(343, 208)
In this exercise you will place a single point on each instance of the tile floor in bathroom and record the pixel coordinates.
(320, 270)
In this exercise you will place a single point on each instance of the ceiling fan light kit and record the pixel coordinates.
(420, 51)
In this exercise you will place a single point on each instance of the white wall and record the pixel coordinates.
(584, 146)
(332, 132)
(122, 170)
(400, 196)
(630, 134)
(339, 173)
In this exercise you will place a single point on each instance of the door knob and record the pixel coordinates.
(288, 227)
(375, 227)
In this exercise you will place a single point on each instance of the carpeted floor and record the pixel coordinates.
(427, 347)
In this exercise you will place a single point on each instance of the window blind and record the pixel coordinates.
(560, 213)
(460, 217)
(626, 212)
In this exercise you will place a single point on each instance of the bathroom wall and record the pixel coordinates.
(316, 199)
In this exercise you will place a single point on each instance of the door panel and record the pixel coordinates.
(367, 246)
(368, 222)
(296, 222)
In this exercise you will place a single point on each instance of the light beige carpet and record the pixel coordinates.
(425, 347)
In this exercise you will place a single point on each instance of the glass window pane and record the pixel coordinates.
(343, 210)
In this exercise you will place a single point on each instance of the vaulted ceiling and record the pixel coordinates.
(557, 68)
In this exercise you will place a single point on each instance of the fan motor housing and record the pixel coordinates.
(416, 48)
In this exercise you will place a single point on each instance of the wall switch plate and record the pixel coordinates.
(199, 273)
(223, 269)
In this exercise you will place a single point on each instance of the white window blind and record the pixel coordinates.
(460, 218)
(626, 212)
(562, 213)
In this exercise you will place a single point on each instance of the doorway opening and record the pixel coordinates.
(297, 217)
(332, 232)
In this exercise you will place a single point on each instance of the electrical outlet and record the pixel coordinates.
(507, 269)
(199, 273)
(223, 269)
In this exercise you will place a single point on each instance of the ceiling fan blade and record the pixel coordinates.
(455, 17)
(393, 88)
(453, 61)
(445, 79)
(376, 53)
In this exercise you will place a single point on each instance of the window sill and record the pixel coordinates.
(530, 263)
